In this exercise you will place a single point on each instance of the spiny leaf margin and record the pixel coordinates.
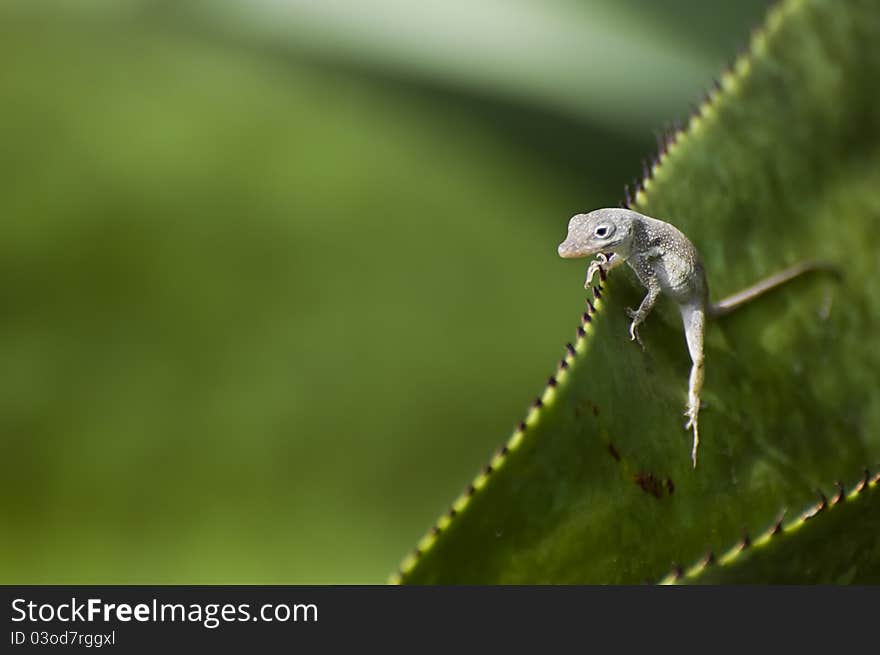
(573, 351)
(748, 545)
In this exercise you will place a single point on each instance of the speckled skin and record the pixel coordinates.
(665, 261)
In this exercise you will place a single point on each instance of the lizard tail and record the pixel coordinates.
(729, 304)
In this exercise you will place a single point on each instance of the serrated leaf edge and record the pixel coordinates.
(673, 138)
(778, 527)
(555, 383)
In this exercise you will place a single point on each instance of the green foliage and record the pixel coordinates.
(243, 300)
(596, 486)
(542, 53)
(833, 542)
(265, 294)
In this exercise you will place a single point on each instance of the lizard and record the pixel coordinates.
(665, 262)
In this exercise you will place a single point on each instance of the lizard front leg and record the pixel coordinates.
(602, 262)
(639, 315)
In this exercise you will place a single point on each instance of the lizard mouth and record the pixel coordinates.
(567, 251)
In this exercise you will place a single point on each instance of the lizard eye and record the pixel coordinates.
(603, 231)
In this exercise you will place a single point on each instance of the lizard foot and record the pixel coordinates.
(692, 414)
(596, 266)
(634, 327)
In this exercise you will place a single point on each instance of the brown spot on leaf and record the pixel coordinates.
(649, 483)
(593, 407)
(613, 451)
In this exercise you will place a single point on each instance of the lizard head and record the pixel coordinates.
(603, 230)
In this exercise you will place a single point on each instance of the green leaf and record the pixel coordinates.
(596, 486)
(833, 542)
(554, 54)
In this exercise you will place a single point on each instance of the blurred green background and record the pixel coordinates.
(277, 277)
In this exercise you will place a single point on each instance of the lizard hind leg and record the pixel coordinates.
(694, 318)
(639, 315)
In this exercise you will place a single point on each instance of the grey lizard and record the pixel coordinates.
(665, 262)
